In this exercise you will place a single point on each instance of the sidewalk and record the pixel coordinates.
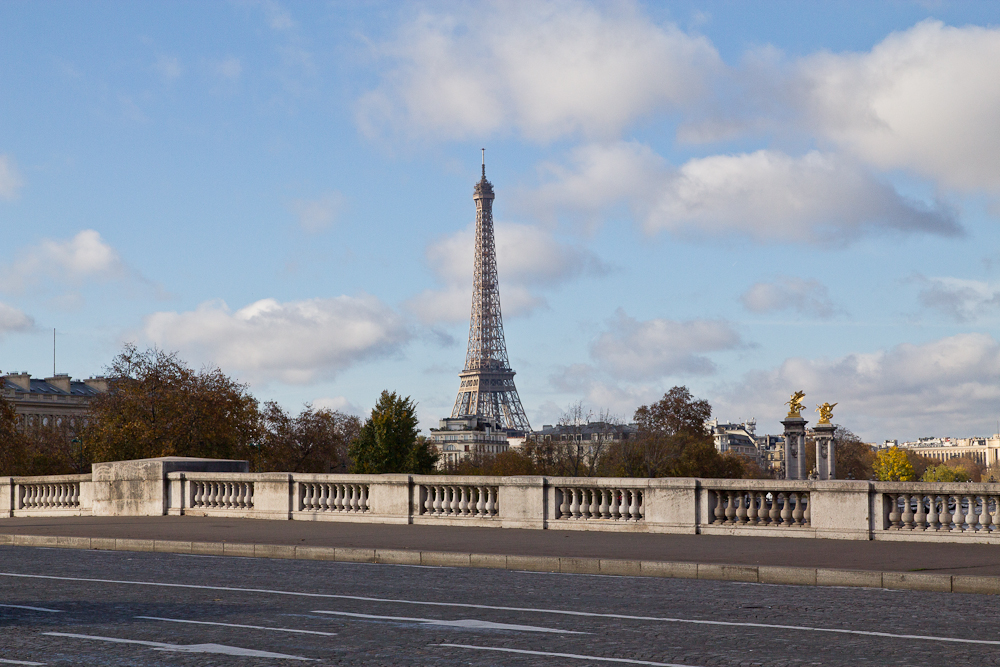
(950, 559)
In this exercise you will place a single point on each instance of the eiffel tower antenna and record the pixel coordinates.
(487, 384)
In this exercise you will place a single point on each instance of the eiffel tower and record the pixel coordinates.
(487, 384)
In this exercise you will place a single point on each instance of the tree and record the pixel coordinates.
(892, 465)
(157, 406)
(13, 446)
(854, 457)
(673, 441)
(944, 473)
(388, 440)
(314, 441)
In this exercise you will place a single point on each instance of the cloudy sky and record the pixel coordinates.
(744, 198)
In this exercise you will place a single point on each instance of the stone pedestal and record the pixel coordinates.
(139, 488)
(795, 448)
(826, 460)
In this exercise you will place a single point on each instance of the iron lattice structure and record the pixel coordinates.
(487, 384)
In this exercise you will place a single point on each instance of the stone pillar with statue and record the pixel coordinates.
(795, 438)
(826, 456)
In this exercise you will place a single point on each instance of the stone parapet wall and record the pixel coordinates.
(835, 509)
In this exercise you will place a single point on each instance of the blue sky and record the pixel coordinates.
(745, 198)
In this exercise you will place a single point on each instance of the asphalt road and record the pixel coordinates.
(68, 607)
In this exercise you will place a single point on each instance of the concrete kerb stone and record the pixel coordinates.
(126, 544)
(533, 563)
(580, 565)
(316, 553)
(915, 581)
(397, 556)
(237, 549)
(627, 568)
(102, 543)
(172, 547)
(274, 551)
(445, 559)
(965, 583)
(860, 578)
(655, 568)
(488, 561)
(36, 541)
(794, 576)
(6, 540)
(718, 572)
(207, 548)
(354, 555)
(74, 542)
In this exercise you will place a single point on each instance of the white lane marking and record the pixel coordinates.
(21, 606)
(470, 623)
(18, 662)
(565, 655)
(240, 625)
(219, 649)
(564, 612)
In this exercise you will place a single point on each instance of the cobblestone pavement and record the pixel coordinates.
(67, 607)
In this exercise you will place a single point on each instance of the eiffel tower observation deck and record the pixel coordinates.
(487, 388)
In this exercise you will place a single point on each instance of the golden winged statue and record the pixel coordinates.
(825, 412)
(794, 404)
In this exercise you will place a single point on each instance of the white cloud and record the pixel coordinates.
(295, 342)
(169, 67)
(765, 195)
(527, 258)
(652, 349)
(546, 69)
(339, 404)
(945, 387)
(229, 67)
(85, 256)
(925, 99)
(809, 297)
(12, 319)
(317, 215)
(11, 181)
(963, 300)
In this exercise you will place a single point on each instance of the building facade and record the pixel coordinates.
(459, 438)
(58, 401)
(983, 450)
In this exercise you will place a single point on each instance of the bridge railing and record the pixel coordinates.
(911, 511)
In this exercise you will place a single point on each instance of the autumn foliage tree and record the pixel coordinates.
(313, 441)
(672, 441)
(892, 465)
(157, 406)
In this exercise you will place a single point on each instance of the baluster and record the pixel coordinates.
(932, 512)
(493, 503)
(798, 512)
(480, 505)
(775, 511)
(463, 504)
(985, 518)
(617, 502)
(355, 497)
(574, 504)
(894, 514)
(807, 514)
(634, 511)
(995, 513)
(742, 513)
(970, 514)
(920, 518)
(730, 507)
(595, 504)
(719, 511)
(322, 497)
(752, 508)
(786, 509)
(907, 517)
(946, 512)
(364, 497)
(46, 495)
(605, 514)
(427, 506)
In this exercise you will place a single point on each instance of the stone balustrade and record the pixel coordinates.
(861, 510)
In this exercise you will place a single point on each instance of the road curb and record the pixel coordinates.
(793, 576)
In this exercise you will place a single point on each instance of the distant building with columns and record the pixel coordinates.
(983, 450)
(58, 401)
